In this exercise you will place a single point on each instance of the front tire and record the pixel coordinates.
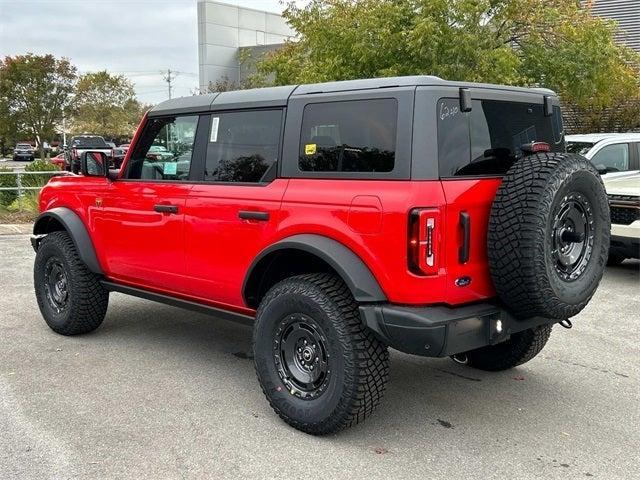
(320, 368)
(520, 348)
(70, 297)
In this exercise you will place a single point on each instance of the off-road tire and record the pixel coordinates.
(87, 299)
(358, 363)
(520, 243)
(519, 349)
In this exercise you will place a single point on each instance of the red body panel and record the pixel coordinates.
(205, 250)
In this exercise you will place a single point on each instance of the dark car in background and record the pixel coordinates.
(80, 144)
(23, 151)
(119, 153)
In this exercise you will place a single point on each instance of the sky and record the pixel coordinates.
(137, 38)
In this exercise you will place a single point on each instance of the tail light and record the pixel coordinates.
(424, 240)
(535, 147)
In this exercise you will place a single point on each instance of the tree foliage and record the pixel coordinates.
(105, 105)
(551, 43)
(34, 90)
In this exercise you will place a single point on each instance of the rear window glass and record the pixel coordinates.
(89, 142)
(487, 140)
(351, 136)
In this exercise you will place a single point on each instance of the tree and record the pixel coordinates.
(34, 90)
(105, 105)
(551, 43)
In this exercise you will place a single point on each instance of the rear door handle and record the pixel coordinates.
(163, 208)
(463, 251)
(253, 215)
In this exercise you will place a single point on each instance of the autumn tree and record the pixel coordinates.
(551, 43)
(106, 105)
(34, 91)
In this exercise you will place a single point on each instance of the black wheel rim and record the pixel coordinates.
(572, 236)
(56, 284)
(301, 356)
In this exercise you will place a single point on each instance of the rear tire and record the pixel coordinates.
(320, 368)
(70, 297)
(519, 349)
(548, 238)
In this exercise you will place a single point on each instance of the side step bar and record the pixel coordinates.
(178, 302)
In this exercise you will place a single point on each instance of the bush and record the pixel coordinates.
(7, 181)
(27, 203)
(38, 180)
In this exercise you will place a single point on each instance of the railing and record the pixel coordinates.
(21, 189)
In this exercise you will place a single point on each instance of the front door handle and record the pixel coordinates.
(163, 208)
(253, 215)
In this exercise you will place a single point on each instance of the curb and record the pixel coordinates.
(16, 228)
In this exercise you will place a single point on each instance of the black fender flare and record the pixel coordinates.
(76, 230)
(349, 266)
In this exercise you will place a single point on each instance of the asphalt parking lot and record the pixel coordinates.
(158, 392)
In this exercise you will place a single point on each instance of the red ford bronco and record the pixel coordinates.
(339, 219)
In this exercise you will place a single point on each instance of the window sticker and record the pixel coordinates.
(310, 149)
(170, 168)
(215, 121)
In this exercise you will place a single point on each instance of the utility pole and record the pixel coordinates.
(169, 77)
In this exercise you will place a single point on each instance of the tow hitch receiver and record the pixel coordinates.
(566, 323)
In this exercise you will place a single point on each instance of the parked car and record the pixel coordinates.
(118, 154)
(339, 219)
(617, 152)
(159, 153)
(60, 161)
(80, 144)
(23, 151)
(624, 201)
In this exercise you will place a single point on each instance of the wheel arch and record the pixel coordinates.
(309, 253)
(65, 219)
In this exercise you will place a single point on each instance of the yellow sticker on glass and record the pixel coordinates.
(310, 149)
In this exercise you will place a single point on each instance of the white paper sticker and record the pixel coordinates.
(170, 168)
(215, 121)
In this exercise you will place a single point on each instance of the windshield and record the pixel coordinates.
(23, 145)
(581, 148)
(89, 142)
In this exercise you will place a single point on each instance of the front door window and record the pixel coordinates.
(165, 149)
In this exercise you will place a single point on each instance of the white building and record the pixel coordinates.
(223, 29)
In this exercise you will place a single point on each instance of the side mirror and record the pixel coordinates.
(94, 164)
(601, 169)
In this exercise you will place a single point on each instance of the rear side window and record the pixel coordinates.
(350, 136)
(243, 146)
(487, 140)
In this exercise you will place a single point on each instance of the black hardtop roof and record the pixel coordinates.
(278, 96)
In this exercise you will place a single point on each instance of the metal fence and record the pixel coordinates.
(36, 180)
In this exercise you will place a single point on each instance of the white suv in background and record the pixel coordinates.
(617, 152)
(623, 191)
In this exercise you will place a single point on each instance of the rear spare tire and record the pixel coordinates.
(548, 238)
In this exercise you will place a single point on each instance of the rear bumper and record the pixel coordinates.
(442, 331)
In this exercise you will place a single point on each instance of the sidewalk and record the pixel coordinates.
(15, 228)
